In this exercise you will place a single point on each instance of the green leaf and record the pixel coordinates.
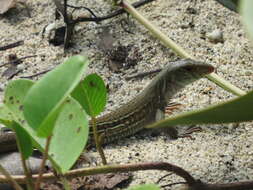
(145, 187)
(15, 93)
(24, 140)
(70, 135)
(44, 99)
(91, 94)
(246, 7)
(6, 116)
(14, 96)
(236, 110)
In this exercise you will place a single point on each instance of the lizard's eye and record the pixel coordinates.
(191, 69)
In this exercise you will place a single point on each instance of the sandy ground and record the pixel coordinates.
(220, 153)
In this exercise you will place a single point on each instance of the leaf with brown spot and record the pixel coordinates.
(91, 94)
(70, 116)
(78, 129)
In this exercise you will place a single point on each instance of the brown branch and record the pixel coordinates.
(111, 15)
(70, 23)
(111, 169)
(190, 181)
(247, 185)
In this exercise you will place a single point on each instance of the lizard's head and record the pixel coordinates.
(196, 68)
(178, 74)
(186, 71)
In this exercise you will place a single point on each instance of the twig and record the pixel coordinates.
(159, 180)
(12, 45)
(13, 74)
(82, 7)
(17, 61)
(70, 23)
(110, 169)
(171, 184)
(111, 15)
(36, 74)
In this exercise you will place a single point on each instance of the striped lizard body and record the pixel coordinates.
(146, 108)
(149, 106)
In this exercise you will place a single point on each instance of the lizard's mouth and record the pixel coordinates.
(202, 70)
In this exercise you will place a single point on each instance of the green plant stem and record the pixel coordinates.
(225, 84)
(97, 141)
(27, 171)
(65, 183)
(176, 48)
(44, 159)
(9, 177)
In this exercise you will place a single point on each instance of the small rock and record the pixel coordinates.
(215, 36)
(248, 73)
(6, 5)
(12, 163)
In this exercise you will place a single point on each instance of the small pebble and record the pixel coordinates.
(12, 163)
(248, 73)
(215, 36)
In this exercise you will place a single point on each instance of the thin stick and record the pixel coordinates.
(17, 61)
(111, 169)
(36, 74)
(12, 45)
(114, 14)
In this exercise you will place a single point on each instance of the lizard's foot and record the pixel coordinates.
(171, 107)
(189, 131)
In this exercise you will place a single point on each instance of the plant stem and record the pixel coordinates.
(97, 141)
(27, 171)
(176, 48)
(225, 84)
(65, 183)
(8, 176)
(44, 159)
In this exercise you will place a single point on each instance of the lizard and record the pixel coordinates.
(146, 108)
